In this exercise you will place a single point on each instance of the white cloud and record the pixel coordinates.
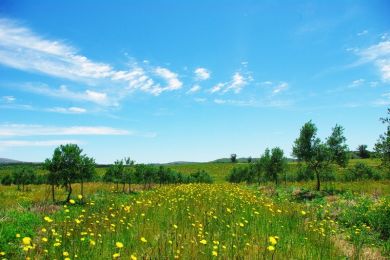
(202, 74)
(194, 89)
(22, 49)
(364, 32)
(7, 130)
(280, 88)
(64, 93)
(200, 100)
(373, 84)
(237, 83)
(379, 54)
(8, 99)
(171, 78)
(384, 101)
(23, 143)
(356, 83)
(68, 110)
(254, 103)
(217, 87)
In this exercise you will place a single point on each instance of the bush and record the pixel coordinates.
(200, 177)
(304, 174)
(6, 180)
(362, 172)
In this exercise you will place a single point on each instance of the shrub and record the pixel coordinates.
(362, 172)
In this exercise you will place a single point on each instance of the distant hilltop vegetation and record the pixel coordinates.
(8, 161)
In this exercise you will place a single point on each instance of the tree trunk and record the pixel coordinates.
(52, 193)
(70, 192)
(117, 186)
(123, 187)
(82, 189)
(318, 180)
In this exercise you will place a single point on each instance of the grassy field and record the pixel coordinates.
(199, 221)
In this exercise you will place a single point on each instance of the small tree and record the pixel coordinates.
(23, 176)
(87, 171)
(115, 173)
(233, 158)
(249, 159)
(317, 155)
(382, 147)
(68, 166)
(363, 152)
(262, 165)
(277, 164)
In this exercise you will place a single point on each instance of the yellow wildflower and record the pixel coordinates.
(80, 197)
(133, 257)
(272, 240)
(144, 240)
(215, 253)
(2, 253)
(26, 241)
(116, 255)
(65, 253)
(48, 219)
(303, 212)
(119, 245)
(44, 239)
(72, 201)
(271, 248)
(203, 241)
(17, 235)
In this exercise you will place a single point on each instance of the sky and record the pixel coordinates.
(163, 81)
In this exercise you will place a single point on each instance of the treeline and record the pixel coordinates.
(317, 159)
(68, 166)
(125, 173)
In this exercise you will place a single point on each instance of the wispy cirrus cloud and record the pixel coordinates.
(7, 130)
(236, 84)
(195, 88)
(282, 86)
(67, 110)
(202, 74)
(379, 55)
(45, 143)
(63, 92)
(8, 99)
(22, 49)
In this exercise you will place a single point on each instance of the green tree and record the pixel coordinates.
(233, 158)
(362, 151)
(23, 176)
(382, 147)
(68, 166)
(318, 155)
(87, 171)
(115, 173)
(54, 167)
(262, 166)
(277, 164)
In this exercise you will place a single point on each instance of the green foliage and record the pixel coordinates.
(362, 151)
(22, 176)
(361, 171)
(7, 179)
(233, 158)
(382, 147)
(68, 166)
(317, 155)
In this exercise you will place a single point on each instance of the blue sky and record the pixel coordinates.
(164, 81)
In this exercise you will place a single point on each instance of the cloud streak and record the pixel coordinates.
(46, 143)
(22, 49)
(8, 130)
(378, 54)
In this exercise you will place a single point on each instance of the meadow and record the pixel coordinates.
(199, 221)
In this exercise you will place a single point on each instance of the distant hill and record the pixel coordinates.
(8, 161)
